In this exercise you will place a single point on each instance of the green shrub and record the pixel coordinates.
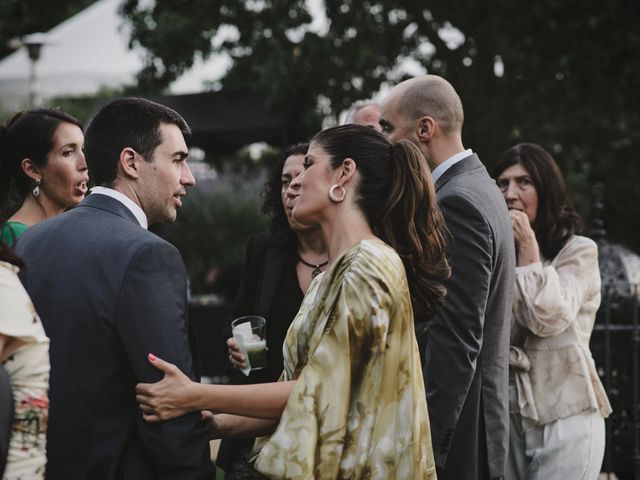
(212, 230)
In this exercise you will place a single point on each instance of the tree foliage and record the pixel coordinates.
(571, 70)
(24, 17)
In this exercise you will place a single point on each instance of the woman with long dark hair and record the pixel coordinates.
(42, 167)
(351, 401)
(279, 267)
(557, 401)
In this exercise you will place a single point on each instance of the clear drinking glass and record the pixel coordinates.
(249, 333)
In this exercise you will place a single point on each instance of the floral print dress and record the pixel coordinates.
(358, 409)
(28, 370)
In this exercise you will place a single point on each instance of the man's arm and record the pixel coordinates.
(455, 334)
(151, 318)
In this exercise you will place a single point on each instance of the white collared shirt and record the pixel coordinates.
(448, 163)
(126, 201)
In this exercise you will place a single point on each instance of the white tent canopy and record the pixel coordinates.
(84, 53)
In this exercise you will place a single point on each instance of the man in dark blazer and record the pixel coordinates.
(467, 341)
(109, 292)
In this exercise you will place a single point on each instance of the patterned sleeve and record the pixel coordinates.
(358, 409)
(18, 319)
(548, 298)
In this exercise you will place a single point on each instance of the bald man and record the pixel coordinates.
(365, 113)
(467, 342)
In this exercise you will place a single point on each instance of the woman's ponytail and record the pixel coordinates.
(397, 196)
(412, 224)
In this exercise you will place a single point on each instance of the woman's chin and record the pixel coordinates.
(297, 226)
(74, 200)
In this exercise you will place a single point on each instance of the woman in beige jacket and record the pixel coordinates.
(557, 401)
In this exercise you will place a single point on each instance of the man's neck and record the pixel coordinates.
(126, 190)
(443, 152)
(130, 201)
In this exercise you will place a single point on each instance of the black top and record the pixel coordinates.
(283, 310)
(269, 288)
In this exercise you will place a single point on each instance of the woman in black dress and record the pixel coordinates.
(279, 267)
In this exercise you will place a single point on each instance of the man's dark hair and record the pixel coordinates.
(126, 122)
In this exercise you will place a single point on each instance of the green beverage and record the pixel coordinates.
(249, 334)
(256, 353)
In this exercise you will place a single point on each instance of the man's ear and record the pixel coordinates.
(347, 171)
(30, 170)
(425, 128)
(129, 162)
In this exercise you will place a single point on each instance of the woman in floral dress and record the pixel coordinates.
(24, 353)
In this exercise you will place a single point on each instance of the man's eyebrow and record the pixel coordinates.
(181, 154)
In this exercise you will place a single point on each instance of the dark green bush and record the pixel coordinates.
(212, 230)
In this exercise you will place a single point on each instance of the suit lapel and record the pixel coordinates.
(108, 204)
(466, 164)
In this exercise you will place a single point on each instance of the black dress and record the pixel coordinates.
(269, 288)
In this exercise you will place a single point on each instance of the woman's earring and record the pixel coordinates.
(36, 190)
(332, 193)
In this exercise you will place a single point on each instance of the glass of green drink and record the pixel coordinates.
(249, 334)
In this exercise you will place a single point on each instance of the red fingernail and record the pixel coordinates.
(152, 357)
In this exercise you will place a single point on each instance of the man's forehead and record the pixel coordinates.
(368, 109)
(368, 113)
(389, 107)
(171, 133)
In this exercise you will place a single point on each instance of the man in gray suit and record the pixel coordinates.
(467, 342)
(109, 292)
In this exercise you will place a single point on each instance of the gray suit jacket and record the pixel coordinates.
(466, 358)
(109, 292)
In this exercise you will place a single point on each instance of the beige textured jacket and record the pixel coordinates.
(555, 305)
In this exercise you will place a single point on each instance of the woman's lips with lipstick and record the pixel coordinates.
(82, 188)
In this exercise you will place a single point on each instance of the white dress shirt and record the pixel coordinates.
(448, 163)
(126, 201)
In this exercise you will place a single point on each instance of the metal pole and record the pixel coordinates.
(636, 377)
(32, 83)
(607, 379)
(33, 43)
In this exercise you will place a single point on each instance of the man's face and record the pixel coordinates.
(163, 179)
(369, 116)
(394, 125)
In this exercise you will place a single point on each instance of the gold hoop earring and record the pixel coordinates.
(36, 190)
(332, 193)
